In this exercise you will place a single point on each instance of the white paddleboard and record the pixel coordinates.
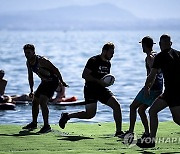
(80, 102)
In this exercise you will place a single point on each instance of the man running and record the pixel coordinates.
(95, 89)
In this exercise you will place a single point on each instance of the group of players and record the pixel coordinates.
(164, 65)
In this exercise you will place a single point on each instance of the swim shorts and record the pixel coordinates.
(47, 88)
(92, 94)
(147, 100)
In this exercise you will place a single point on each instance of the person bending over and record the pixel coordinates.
(50, 77)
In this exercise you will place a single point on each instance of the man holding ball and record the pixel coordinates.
(95, 89)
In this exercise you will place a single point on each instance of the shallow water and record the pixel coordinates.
(69, 51)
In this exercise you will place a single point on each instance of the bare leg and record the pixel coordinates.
(89, 113)
(35, 109)
(176, 114)
(157, 106)
(113, 103)
(44, 107)
(133, 115)
(143, 117)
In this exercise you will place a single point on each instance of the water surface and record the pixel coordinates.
(69, 51)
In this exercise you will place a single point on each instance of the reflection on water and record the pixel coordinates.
(69, 51)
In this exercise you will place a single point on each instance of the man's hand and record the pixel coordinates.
(31, 94)
(64, 84)
(102, 83)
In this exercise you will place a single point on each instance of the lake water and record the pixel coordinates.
(69, 51)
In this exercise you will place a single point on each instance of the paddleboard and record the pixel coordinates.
(80, 102)
(23, 102)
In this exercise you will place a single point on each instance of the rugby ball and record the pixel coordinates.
(109, 79)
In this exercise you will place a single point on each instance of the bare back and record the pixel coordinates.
(3, 84)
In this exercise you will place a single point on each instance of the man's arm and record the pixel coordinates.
(30, 78)
(150, 60)
(150, 80)
(88, 77)
(47, 64)
(3, 86)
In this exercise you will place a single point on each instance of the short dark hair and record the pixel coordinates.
(29, 46)
(108, 45)
(165, 36)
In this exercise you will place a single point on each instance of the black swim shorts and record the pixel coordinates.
(47, 88)
(92, 94)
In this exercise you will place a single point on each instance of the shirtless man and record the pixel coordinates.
(3, 84)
